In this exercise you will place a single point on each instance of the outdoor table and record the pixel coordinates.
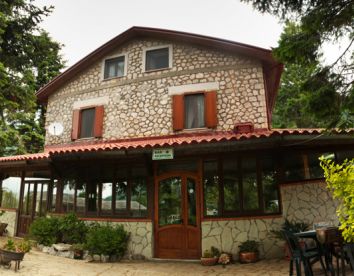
(324, 249)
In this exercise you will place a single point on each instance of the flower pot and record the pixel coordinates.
(248, 257)
(209, 261)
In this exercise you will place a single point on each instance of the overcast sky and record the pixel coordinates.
(84, 25)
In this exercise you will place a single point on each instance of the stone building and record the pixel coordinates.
(169, 134)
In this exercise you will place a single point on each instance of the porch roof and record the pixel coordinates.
(170, 140)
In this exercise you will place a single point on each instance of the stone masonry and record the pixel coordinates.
(306, 202)
(139, 104)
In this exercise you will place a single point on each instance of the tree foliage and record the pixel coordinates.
(29, 58)
(322, 94)
(340, 180)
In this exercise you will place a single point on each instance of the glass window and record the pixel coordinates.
(293, 165)
(191, 202)
(52, 207)
(138, 201)
(92, 197)
(121, 195)
(157, 59)
(231, 186)
(107, 197)
(80, 197)
(114, 67)
(314, 163)
(10, 191)
(249, 184)
(68, 196)
(87, 122)
(194, 111)
(344, 154)
(211, 188)
(269, 185)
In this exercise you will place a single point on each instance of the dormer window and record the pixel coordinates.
(157, 58)
(115, 67)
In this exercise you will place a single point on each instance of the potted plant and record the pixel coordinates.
(293, 227)
(208, 257)
(11, 252)
(249, 252)
(78, 249)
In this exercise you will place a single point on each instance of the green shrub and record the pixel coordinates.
(24, 246)
(72, 229)
(45, 230)
(107, 240)
(249, 246)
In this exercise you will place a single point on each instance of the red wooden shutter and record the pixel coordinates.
(98, 125)
(211, 119)
(75, 125)
(178, 112)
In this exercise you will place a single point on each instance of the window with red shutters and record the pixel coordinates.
(87, 123)
(195, 110)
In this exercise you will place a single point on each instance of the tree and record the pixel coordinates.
(29, 58)
(340, 179)
(322, 94)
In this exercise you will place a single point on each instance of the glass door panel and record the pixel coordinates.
(38, 199)
(170, 201)
(192, 202)
(28, 199)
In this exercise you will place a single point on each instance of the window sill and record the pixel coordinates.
(157, 70)
(197, 129)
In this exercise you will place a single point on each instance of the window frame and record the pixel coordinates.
(170, 57)
(125, 55)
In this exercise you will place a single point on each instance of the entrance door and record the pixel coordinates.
(177, 216)
(34, 204)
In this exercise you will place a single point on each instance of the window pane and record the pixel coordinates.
(170, 196)
(114, 67)
(194, 111)
(192, 202)
(314, 163)
(138, 203)
(11, 192)
(157, 59)
(344, 154)
(270, 188)
(249, 184)
(80, 197)
(54, 196)
(87, 122)
(121, 195)
(68, 196)
(293, 167)
(107, 193)
(41, 205)
(211, 188)
(92, 197)
(231, 186)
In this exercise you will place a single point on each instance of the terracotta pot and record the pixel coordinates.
(209, 261)
(248, 257)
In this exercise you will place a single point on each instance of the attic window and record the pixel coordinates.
(158, 58)
(114, 67)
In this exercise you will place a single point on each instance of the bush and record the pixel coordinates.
(249, 246)
(72, 229)
(45, 230)
(107, 240)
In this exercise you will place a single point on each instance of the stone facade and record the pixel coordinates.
(139, 104)
(9, 217)
(308, 202)
(140, 243)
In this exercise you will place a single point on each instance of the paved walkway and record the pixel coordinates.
(38, 263)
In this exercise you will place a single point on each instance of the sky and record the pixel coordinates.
(84, 25)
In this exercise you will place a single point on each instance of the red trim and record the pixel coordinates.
(242, 218)
(9, 209)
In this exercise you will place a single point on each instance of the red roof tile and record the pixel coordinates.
(163, 141)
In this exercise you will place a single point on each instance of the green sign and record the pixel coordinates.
(162, 154)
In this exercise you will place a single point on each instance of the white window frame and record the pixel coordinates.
(125, 55)
(170, 59)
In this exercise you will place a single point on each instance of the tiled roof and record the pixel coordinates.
(163, 141)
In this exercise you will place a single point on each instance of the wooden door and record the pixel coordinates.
(33, 204)
(177, 216)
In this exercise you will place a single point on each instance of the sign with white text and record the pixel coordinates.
(162, 154)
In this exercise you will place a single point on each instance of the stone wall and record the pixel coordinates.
(139, 104)
(309, 202)
(9, 217)
(140, 243)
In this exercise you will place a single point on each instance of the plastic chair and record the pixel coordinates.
(302, 256)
